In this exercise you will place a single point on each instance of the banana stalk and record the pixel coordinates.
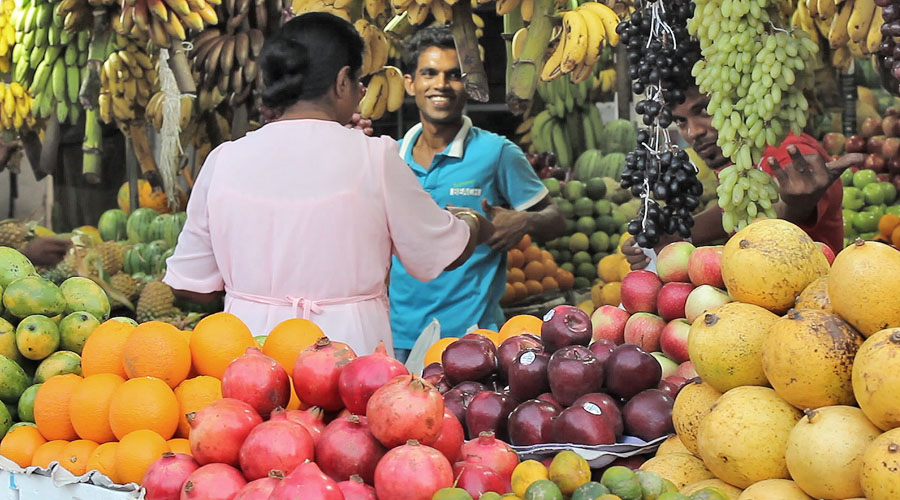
(512, 22)
(98, 51)
(92, 147)
(138, 133)
(182, 69)
(523, 79)
(463, 29)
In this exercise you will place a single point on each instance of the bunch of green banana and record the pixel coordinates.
(15, 107)
(127, 80)
(384, 93)
(852, 28)
(586, 31)
(562, 97)
(154, 112)
(568, 137)
(377, 46)
(48, 60)
(225, 66)
(7, 34)
(164, 20)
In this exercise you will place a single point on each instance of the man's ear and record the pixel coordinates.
(343, 81)
(408, 85)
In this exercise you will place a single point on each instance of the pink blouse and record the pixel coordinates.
(300, 219)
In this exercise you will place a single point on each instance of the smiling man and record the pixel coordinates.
(465, 166)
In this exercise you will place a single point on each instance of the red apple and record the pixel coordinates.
(671, 299)
(893, 165)
(892, 110)
(669, 367)
(672, 262)
(705, 267)
(855, 144)
(883, 177)
(677, 380)
(889, 125)
(833, 142)
(609, 323)
(674, 340)
(875, 163)
(829, 253)
(871, 127)
(891, 146)
(644, 329)
(639, 291)
(702, 299)
(686, 370)
(875, 144)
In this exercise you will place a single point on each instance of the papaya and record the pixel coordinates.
(112, 225)
(33, 295)
(13, 265)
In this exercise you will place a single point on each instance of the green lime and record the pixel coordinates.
(618, 219)
(652, 484)
(555, 254)
(595, 188)
(582, 283)
(585, 225)
(451, 494)
(599, 241)
(579, 242)
(543, 489)
(25, 407)
(552, 244)
(584, 207)
(565, 256)
(568, 266)
(587, 270)
(581, 257)
(589, 491)
(570, 226)
(603, 207)
(567, 209)
(606, 223)
(553, 186)
(21, 424)
(597, 257)
(622, 482)
(574, 190)
(709, 493)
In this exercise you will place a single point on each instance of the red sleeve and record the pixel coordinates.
(829, 224)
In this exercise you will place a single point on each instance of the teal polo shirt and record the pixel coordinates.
(476, 164)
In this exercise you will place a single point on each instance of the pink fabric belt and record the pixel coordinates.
(303, 306)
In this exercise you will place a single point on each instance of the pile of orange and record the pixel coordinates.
(532, 271)
(889, 229)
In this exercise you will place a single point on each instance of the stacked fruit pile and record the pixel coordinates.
(532, 271)
(798, 396)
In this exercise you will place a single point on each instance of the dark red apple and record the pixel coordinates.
(630, 370)
(648, 415)
(585, 424)
(433, 369)
(891, 146)
(468, 360)
(602, 348)
(489, 412)
(855, 144)
(564, 326)
(893, 165)
(574, 371)
(548, 397)
(528, 376)
(871, 127)
(875, 163)
(456, 401)
(510, 348)
(608, 405)
(833, 143)
(532, 423)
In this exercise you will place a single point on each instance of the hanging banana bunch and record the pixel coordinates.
(384, 93)
(377, 46)
(7, 34)
(586, 31)
(127, 81)
(852, 28)
(162, 21)
(15, 107)
(225, 66)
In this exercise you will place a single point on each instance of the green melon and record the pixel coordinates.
(33, 295)
(138, 225)
(112, 225)
(82, 294)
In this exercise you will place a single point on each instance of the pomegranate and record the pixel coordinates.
(451, 438)
(405, 408)
(489, 451)
(355, 489)
(219, 430)
(260, 489)
(257, 380)
(412, 472)
(309, 483)
(213, 482)
(364, 375)
(275, 445)
(347, 448)
(312, 419)
(166, 476)
(318, 370)
(478, 479)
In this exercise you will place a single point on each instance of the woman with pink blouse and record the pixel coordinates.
(299, 219)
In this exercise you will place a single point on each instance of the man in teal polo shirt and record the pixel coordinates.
(465, 166)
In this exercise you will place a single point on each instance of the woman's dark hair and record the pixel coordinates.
(302, 60)
(432, 36)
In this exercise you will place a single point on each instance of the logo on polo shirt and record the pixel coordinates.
(463, 189)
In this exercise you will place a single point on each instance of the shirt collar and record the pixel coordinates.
(455, 149)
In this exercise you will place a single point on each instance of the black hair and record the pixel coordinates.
(432, 36)
(302, 60)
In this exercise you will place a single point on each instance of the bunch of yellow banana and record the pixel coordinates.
(338, 7)
(377, 46)
(77, 14)
(164, 20)
(48, 59)
(15, 107)
(586, 31)
(225, 66)
(607, 80)
(127, 80)
(385, 92)
(852, 28)
(154, 112)
(7, 34)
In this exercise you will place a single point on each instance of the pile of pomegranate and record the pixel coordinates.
(372, 430)
(557, 388)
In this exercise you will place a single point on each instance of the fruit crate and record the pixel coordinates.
(56, 483)
(597, 456)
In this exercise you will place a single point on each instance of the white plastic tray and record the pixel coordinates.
(38, 483)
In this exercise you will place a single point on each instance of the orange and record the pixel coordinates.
(549, 283)
(887, 223)
(103, 459)
(102, 353)
(288, 338)
(491, 334)
(550, 267)
(180, 445)
(546, 255)
(565, 279)
(534, 287)
(433, 355)
(611, 293)
(20, 444)
(136, 452)
(89, 406)
(51, 451)
(517, 325)
(143, 403)
(295, 403)
(157, 349)
(534, 270)
(218, 340)
(895, 237)
(515, 258)
(624, 269)
(521, 291)
(194, 394)
(51, 407)
(524, 243)
(509, 295)
(515, 275)
(148, 197)
(76, 454)
(532, 254)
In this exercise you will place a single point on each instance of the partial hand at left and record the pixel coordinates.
(47, 251)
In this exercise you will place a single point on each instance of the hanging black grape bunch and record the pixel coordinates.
(889, 51)
(661, 54)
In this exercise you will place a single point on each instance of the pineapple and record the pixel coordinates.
(13, 234)
(124, 284)
(53, 274)
(156, 303)
(112, 255)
